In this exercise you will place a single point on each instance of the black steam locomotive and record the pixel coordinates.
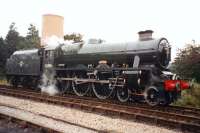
(125, 69)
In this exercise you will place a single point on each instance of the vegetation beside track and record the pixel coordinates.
(190, 97)
(187, 65)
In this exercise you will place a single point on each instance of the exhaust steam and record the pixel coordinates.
(48, 85)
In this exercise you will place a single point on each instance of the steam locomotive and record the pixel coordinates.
(122, 70)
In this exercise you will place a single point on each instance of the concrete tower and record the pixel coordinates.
(52, 25)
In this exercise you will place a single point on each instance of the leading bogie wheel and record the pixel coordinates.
(123, 94)
(167, 100)
(15, 82)
(151, 96)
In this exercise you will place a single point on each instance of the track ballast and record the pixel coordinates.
(185, 119)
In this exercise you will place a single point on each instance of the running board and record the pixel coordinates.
(85, 80)
(82, 81)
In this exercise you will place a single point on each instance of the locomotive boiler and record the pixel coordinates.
(123, 70)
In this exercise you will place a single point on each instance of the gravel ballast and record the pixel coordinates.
(90, 120)
(41, 120)
(7, 126)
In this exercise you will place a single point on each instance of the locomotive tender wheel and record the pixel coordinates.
(123, 94)
(151, 96)
(35, 83)
(15, 82)
(102, 91)
(23, 82)
(26, 82)
(80, 88)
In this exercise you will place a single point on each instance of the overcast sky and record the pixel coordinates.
(111, 20)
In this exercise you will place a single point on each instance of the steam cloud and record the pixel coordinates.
(48, 81)
(53, 42)
(48, 85)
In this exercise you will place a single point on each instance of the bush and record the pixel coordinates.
(187, 62)
(190, 97)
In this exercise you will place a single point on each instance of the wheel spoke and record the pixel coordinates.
(80, 89)
(123, 94)
(63, 86)
(102, 91)
(152, 96)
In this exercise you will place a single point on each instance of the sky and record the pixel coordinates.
(111, 20)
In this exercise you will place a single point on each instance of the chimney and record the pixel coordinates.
(52, 25)
(145, 35)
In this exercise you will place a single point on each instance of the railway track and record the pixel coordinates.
(25, 123)
(43, 124)
(186, 119)
(173, 109)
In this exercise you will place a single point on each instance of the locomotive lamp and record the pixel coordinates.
(171, 85)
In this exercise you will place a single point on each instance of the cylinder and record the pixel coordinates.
(52, 25)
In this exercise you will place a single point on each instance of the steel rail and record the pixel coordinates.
(45, 129)
(183, 122)
(191, 111)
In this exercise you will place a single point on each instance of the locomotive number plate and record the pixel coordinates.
(130, 72)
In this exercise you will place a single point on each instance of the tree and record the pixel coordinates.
(12, 39)
(32, 37)
(2, 55)
(187, 65)
(11, 43)
(187, 62)
(74, 37)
